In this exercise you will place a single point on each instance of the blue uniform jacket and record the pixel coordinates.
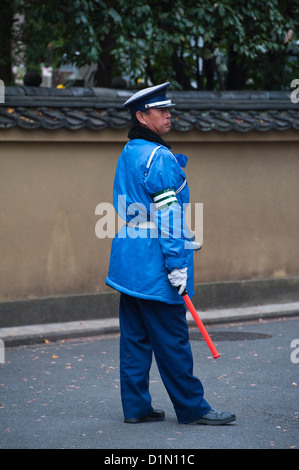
(150, 194)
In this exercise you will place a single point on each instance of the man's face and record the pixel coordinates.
(156, 119)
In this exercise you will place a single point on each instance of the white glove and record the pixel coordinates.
(192, 245)
(178, 278)
(197, 246)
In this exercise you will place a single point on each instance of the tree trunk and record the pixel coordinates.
(6, 15)
(179, 66)
(208, 71)
(237, 72)
(104, 74)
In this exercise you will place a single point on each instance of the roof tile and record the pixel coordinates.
(99, 108)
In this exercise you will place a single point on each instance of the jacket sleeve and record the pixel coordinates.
(164, 178)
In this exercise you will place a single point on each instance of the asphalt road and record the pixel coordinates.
(66, 395)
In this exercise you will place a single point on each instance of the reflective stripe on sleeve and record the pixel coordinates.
(164, 198)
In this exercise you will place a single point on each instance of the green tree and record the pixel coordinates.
(208, 44)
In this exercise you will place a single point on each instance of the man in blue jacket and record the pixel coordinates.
(151, 264)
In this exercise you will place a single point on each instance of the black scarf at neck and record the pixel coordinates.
(141, 132)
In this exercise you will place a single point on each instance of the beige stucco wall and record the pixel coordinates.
(52, 181)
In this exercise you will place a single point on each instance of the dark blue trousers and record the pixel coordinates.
(149, 326)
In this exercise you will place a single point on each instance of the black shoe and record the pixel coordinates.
(155, 415)
(215, 418)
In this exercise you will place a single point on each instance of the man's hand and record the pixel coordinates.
(178, 278)
(192, 245)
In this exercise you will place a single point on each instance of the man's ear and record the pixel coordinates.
(140, 117)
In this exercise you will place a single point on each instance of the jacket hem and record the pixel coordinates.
(140, 295)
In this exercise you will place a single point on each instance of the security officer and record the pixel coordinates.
(151, 264)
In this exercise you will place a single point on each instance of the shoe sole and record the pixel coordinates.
(216, 422)
(141, 420)
(151, 418)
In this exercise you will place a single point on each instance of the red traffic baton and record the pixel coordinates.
(200, 325)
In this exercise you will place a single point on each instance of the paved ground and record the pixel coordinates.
(65, 394)
(32, 334)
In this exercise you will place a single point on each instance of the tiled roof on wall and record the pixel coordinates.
(100, 108)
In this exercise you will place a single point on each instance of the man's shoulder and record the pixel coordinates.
(144, 147)
(144, 143)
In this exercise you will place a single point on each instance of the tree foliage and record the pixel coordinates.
(209, 45)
